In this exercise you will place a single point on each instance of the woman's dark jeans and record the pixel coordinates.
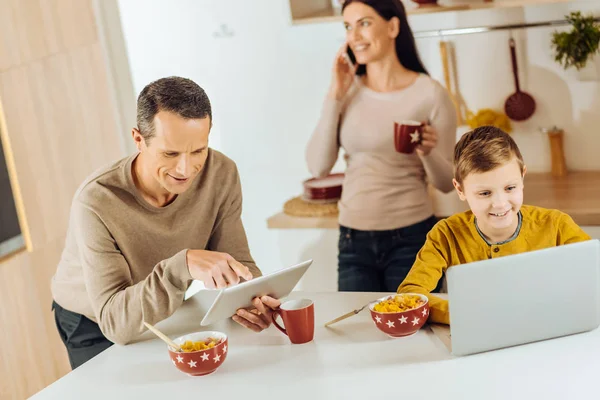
(378, 261)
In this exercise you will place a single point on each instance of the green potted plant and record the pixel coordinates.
(579, 46)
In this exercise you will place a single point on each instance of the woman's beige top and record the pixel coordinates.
(384, 189)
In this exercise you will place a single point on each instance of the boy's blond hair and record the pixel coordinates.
(482, 150)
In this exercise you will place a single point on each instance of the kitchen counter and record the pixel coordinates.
(577, 194)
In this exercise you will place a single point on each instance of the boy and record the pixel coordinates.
(488, 175)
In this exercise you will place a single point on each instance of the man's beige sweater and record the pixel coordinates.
(124, 260)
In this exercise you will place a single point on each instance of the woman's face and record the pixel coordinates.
(370, 37)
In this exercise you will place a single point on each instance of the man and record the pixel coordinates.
(144, 227)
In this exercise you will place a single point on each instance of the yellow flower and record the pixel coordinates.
(487, 116)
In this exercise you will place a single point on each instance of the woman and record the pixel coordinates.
(385, 211)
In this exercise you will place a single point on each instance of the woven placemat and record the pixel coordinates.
(298, 207)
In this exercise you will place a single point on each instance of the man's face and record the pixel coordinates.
(177, 151)
(495, 197)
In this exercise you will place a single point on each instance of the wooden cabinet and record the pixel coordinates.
(58, 115)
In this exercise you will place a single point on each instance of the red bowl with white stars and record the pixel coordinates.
(201, 362)
(403, 323)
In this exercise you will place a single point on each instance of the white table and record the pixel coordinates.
(349, 360)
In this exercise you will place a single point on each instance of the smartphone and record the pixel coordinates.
(350, 55)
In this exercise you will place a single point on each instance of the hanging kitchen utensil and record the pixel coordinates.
(520, 105)
(463, 109)
(446, 69)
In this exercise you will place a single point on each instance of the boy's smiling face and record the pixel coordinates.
(495, 198)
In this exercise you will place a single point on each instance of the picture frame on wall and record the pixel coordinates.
(12, 239)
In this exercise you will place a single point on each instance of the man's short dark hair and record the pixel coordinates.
(173, 94)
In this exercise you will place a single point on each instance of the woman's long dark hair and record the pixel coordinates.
(406, 49)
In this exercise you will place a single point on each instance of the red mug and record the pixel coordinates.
(298, 318)
(407, 136)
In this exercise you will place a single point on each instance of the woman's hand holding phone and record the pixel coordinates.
(342, 75)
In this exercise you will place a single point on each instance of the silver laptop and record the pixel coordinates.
(524, 298)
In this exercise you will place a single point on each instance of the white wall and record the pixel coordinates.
(267, 81)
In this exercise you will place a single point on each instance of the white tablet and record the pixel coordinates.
(278, 285)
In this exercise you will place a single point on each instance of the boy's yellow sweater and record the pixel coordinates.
(456, 240)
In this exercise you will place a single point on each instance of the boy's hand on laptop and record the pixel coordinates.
(217, 270)
(429, 140)
(258, 318)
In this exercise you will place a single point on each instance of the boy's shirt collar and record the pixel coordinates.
(513, 237)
